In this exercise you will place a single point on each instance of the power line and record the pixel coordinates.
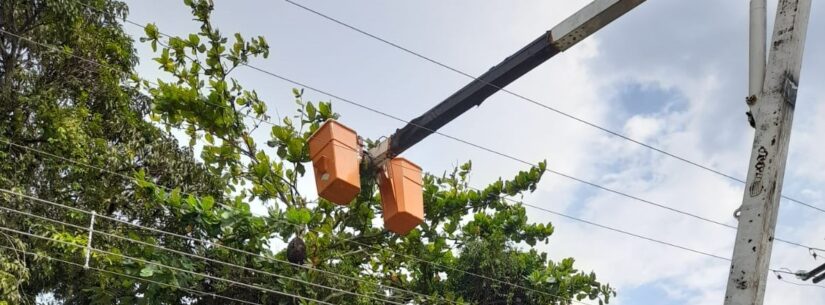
(356, 242)
(263, 289)
(634, 235)
(564, 175)
(203, 241)
(495, 152)
(558, 173)
(537, 103)
(802, 284)
(104, 66)
(219, 245)
(506, 198)
(669, 244)
(791, 199)
(485, 148)
(592, 184)
(195, 291)
(200, 257)
(650, 239)
(365, 107)
(536, 207)
(653, 239)
(99, 232)
(488, 149)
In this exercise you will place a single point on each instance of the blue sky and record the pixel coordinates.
(670, 73)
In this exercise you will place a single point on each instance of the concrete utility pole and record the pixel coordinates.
(773, 116)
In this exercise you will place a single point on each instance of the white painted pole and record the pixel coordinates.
(756, 53)
(773, 117)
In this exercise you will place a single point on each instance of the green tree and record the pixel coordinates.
(209, 104)
(452, 257)
(73, 108)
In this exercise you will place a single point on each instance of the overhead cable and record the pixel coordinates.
(200, 257)
(539, 104)
(234, 282)
(194, 291)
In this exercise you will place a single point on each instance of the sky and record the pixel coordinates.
(672, 74)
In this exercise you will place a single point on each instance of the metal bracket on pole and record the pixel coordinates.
(379, 154)
(88, 251)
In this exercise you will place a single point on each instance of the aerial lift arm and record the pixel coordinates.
(569, 32)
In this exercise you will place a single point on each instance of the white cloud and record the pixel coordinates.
(643, 128)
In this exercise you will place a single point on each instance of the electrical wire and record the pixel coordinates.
(539, 104)
(455, 269)
(214, 295)
(263, 289)
(598, 127)
(490, 150)
(533, 206)
(802, 284)
(634, 235)
(508, 199)
(495, 152)
(356, 242)
(558, 173)
(103, 66)
(140, 242)
(194, 291)
(669, 244)
(200, 240)
(570, 177)
(203, 241)
(555, 172)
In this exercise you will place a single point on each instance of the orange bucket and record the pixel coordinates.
(402, 195)
(334, 151)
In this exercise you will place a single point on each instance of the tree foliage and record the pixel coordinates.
(71, 108)
(476, 245)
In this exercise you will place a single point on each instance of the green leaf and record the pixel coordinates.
(295, 147)
(174, 197)
(325, 109)
(207, 203)
(311, 111)
(281, 133)
(151, 31)
(147, 271)
(300, 216)
(194, 39)
(191, 201)
(140, 178)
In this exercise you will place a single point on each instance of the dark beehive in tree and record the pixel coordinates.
(296, 251)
